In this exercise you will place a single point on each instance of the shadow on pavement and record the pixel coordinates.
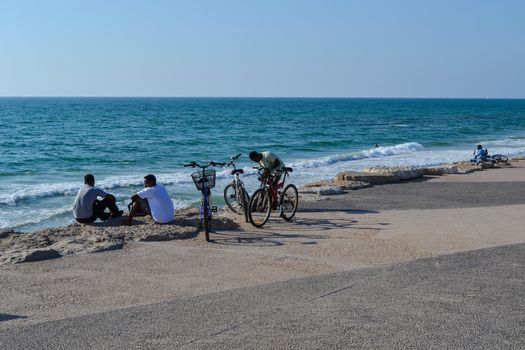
(7, 317)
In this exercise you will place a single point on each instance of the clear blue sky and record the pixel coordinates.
(368, 48)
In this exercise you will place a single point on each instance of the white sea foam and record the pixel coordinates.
(14, 194)
(376, 152)
(23, 216)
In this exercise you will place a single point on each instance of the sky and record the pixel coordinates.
(267, 48)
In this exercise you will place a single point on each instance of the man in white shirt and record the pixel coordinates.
(154, 197)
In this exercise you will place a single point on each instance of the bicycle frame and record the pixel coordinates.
(205, 199)
(238, 182)
(266, 181)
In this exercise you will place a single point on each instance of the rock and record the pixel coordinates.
(437, 171)
(374, 179)
(456, 170)
(330, 191)
(486, 165)
(355, 185)
(33, 255)
(313, 187)
(404, 173)
(7, 233)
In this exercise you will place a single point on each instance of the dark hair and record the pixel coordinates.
(479, 146)
(151, 178)
(89, 179)
(253, 155)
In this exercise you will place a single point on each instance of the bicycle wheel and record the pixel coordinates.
(260, 208)
(500, 158)
(288, 202)
(206, 218)
(233, 199)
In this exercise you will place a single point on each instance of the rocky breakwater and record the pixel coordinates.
(18, 247)
(355, 180)
(381, 175)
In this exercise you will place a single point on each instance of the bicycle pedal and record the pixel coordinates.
(214, 209)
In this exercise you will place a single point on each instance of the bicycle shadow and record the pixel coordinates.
(277, 232)
(8, 317)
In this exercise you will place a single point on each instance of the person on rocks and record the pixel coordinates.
(480, 154)
(88, 208)
(270, 162)
(152, 200)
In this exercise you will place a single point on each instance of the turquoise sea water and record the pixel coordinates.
(48, 144)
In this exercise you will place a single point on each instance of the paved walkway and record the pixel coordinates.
(472, 300)
(425, 194)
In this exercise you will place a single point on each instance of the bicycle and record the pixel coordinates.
(235, 194)
(499, 158)
(496, 158)
(269, 195)
(204, 181)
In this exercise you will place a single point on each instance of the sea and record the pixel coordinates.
(47, 145)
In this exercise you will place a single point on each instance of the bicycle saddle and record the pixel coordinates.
(237, 171)
(288, 169)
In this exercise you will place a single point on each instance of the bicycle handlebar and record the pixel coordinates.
(232, 161)
(195, 164)
(217, 164)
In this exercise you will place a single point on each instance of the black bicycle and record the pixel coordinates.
(204, 181)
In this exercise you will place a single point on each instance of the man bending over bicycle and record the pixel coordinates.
(272, 164)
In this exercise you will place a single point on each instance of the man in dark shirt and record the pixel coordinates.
(87, 208)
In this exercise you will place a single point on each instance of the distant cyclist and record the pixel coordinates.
(272, 164)
(480, 154)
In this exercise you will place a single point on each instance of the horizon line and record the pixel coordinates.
(264, 97)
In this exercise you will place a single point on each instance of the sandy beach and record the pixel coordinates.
(364, 228)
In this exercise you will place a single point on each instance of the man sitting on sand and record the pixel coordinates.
(480, 154)
(154, 200)
(87, 208)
